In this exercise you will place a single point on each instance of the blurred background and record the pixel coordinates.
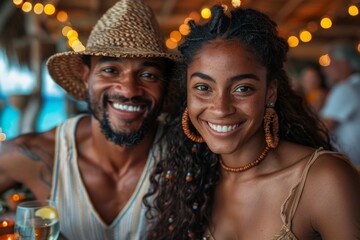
(33, 30)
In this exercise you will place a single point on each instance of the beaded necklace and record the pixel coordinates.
(247, 166)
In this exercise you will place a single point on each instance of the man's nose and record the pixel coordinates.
(130, 86)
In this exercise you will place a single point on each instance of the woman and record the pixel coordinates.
(247, 160)
(313, 85)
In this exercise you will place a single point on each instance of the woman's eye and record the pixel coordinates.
(202, 88)
(243, 89)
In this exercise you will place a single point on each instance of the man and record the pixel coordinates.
(96, 167)
(341, 113)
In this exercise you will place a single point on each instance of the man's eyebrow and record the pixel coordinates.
(145, 63)
(109, 59)
(232, 79)
(152, 64)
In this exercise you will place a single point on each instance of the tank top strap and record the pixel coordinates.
(296, 192)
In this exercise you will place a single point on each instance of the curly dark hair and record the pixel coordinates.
(183, 184)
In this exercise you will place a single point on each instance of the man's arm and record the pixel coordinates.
(28, 160)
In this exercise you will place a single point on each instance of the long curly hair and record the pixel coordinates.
(183, 183)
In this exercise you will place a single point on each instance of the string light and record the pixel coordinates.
(293, 41)
(324, 60)
(305, 36)
(326, 23)
(236, 3)
(38, 8)
(62, 16)
(205, 13)
(49, 9)
(26, 7)
(353, 10)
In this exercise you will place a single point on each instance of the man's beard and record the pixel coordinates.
(118, 137)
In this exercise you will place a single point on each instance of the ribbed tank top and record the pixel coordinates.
(78, 217)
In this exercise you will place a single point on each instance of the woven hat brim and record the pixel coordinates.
(66, 68)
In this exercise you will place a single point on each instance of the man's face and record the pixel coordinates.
(125, 95)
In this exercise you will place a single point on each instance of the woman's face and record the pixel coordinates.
(226, 94)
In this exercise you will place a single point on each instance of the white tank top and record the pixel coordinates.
(78, 217)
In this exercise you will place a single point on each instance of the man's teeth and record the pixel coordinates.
(128, 108)
(223, 128)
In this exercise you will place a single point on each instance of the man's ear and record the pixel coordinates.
(85, 74)
(271, 94)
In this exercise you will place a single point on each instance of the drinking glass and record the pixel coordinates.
(36, 220)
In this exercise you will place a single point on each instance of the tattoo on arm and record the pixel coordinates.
(40, 156)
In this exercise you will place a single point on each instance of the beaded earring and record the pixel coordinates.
(271, 126)
(185, 127)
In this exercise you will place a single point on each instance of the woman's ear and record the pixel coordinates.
(85, 74)
(271, 94)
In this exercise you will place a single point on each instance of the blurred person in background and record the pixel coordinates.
(313, 86)
(341, 112)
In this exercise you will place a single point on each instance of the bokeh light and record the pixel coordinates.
(293, 41)
(26, 7)
(324, 60)
(49, 9)
(326, 23)
(38, 8)
(353, 10)
(205, 13)
(62, 16)
(305, 36)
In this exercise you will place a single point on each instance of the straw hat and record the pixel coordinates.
(128, 29)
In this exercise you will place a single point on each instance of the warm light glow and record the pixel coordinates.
(195, 16)
(293, 41)
(205, 13)
(184, 29)
(75, 43)
(26, 7)
(2, 136)
(38, 8)
(187, 20)
(72, 40)
(49, 9)
(175, 36)
(324, 60)
(4, 223)
(305, 36)
(78, 46)
(326, 23)
(353, 10)
(15, 197)
(62, 16)
(225, 7)
(17, 2)
(65, 30)
(170, 44)
(358, 47)
(72, 34)
(236, 3)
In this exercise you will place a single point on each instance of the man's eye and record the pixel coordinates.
(243, 89)
(109, 70)
(202, 88)
(150, 76)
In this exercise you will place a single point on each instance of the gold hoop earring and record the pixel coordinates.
(271, 132)
(185, 127)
